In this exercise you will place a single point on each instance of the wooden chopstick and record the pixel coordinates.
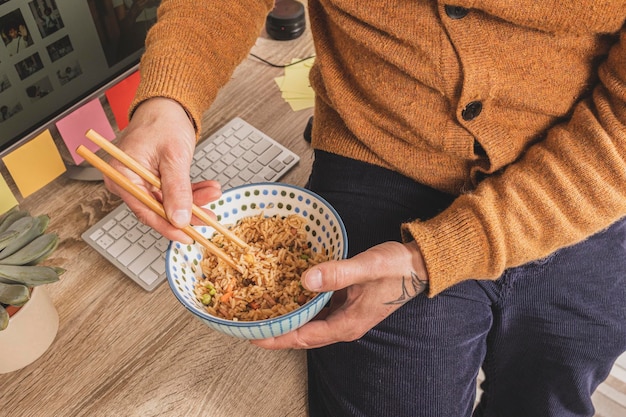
(138, 169)
(150, 202)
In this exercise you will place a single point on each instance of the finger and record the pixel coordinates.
(311, 335)
(316, 333)
(146, 216)
(176, 187)
(385, 260)
(161, 225)
(334, 275)
(206, 191)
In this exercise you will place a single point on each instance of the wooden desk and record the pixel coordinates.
(121, 351)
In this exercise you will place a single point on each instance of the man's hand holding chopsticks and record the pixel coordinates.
(161, 138)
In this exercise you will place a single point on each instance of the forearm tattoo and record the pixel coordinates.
(411, 287)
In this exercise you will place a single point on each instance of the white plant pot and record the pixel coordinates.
(30, 332)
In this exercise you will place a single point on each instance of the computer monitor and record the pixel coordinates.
(55, 55)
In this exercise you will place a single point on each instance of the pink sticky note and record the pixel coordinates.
(120, 96)
(35, 164)
(74, 126)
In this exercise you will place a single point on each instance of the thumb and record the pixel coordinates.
(389, 259)
(332, 275)
(177, 192)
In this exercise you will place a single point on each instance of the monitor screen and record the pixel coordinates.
(57, 54)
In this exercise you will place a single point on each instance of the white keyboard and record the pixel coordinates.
(236, 154)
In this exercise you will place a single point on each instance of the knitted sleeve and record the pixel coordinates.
(194, 47)
(565, 188)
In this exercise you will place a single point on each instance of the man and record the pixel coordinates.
(476, 153)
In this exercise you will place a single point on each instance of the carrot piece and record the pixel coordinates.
(226, 296)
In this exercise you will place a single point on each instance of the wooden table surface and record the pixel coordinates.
(122, 351)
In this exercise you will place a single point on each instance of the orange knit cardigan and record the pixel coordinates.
(519, 108)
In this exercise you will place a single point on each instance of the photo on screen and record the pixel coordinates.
(60, 48)
(4, 83)
(39, 89)
(68, 73)
(27, 67)
(47, 16)
(8, 110)
(121, 34)
(14, 32)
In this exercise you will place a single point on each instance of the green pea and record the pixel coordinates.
(206, 299)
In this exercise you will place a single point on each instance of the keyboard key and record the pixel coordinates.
(243, 132)
(237, 151)
(276, 165)
(228, 159)
(235, 182)
(129, 255)
(121, 215)
(224, 148)
(134, 235)
(105, 241)
(144, 260)
(255, 137)
(117, 231)
(129, 222)
(209, 174)
(97, 234)
(162, 244)
(144, 228)
(236, 124)
(261, 147)
(204, 164)
(222, 179)
(147, 241)
(148, 276)
(109, 224)
(118, 247)
(249, 156)
(214, 156)
(255, 167)
(269, 155)
(246, 144)
(246, 175)
(218, 166)
(231, 172)
(159, 265)
(240, 164)
(195, 171)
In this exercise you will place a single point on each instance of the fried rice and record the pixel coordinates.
(269, 284)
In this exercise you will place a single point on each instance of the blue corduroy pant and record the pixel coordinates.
(546, 334)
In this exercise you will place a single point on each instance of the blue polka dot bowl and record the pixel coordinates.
(326, 233)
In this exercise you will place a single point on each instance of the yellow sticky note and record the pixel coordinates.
(294, 86)
(297, 80)
(35, 164)
(7, 199)
(279, 81)
(301, 104)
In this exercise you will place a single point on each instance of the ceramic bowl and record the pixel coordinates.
(325, 229)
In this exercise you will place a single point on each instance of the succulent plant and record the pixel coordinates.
(24, 244)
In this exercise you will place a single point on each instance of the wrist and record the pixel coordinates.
(417, 260)
(151, 109)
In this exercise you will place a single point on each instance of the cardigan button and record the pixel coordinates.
(456, 12)
(472, 110)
